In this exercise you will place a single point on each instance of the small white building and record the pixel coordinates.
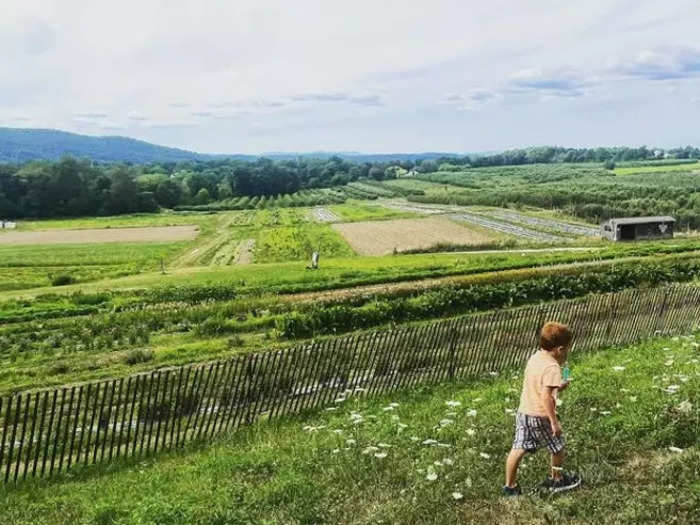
(638, 228)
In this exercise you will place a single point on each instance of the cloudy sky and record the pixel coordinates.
(251, 76)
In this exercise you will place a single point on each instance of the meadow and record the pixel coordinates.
(432, 454)
(75, 313)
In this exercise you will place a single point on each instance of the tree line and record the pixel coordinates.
(73, 187)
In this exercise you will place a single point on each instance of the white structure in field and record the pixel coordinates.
(638, 228)
(8, 225)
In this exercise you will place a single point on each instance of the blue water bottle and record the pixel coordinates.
(566, 374)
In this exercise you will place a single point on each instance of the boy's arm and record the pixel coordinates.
(549, 404)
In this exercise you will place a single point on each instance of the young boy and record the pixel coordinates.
(536, 423)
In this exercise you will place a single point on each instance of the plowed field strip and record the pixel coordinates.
(385, 237)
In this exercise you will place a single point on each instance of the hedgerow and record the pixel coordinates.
(451, 300)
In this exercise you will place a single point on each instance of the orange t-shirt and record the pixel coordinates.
(542, 370)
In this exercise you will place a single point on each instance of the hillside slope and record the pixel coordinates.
(21, 145)
(432, 455)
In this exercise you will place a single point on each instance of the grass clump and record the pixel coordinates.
(429, 455)
(138, 355)
(62, 280)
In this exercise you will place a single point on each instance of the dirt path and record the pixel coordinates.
(244, 252)
(100, 235)
(422, 284)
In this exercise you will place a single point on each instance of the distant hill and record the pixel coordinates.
(21, 145)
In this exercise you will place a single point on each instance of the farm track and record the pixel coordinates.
(203, 253)
(424, 284)
(244, 252)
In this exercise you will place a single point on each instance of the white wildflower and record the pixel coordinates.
(453, 404)
(447, 461)
(618, 368)
(686, 407)
(432, 476)
(430, 442)
(380, 455)
(471, 431)
(633, 399)
(350, 441)
(605, 412)
(457, 495)
(445, 422)
(472, 413)
(672, 389)
(669, 362)
(369, 450)
(485, 455)
(383, 445)
(675, 449)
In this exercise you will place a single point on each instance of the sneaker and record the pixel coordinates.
(566, 482)
(511, 491)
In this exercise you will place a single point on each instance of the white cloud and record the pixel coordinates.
(261, 75)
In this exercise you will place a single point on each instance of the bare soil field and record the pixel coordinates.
(101, 235)
(383, 237)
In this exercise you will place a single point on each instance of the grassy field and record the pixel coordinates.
(432, 455)
(28, 266)
(628, 170)
(134, 220)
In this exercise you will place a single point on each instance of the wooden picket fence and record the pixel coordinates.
(46, 432)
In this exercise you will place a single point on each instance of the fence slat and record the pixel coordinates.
(147, 412)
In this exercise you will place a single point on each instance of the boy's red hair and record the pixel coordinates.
(553, 335)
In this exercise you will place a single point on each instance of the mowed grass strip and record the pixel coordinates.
(431, 455)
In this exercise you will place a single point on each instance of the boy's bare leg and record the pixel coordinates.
(512, 463)
(557, 462)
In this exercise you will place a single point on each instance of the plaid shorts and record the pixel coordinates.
(534, 432)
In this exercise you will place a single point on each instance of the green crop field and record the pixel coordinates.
(430, 455)
(688, 167)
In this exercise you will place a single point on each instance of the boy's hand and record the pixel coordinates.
(564, 385)
(556, 428)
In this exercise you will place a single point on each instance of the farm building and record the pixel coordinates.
(638, 228)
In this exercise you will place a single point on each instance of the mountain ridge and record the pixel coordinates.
(18, 145)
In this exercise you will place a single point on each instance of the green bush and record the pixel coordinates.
(138, 355)
(452, 300)
(62, 280)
